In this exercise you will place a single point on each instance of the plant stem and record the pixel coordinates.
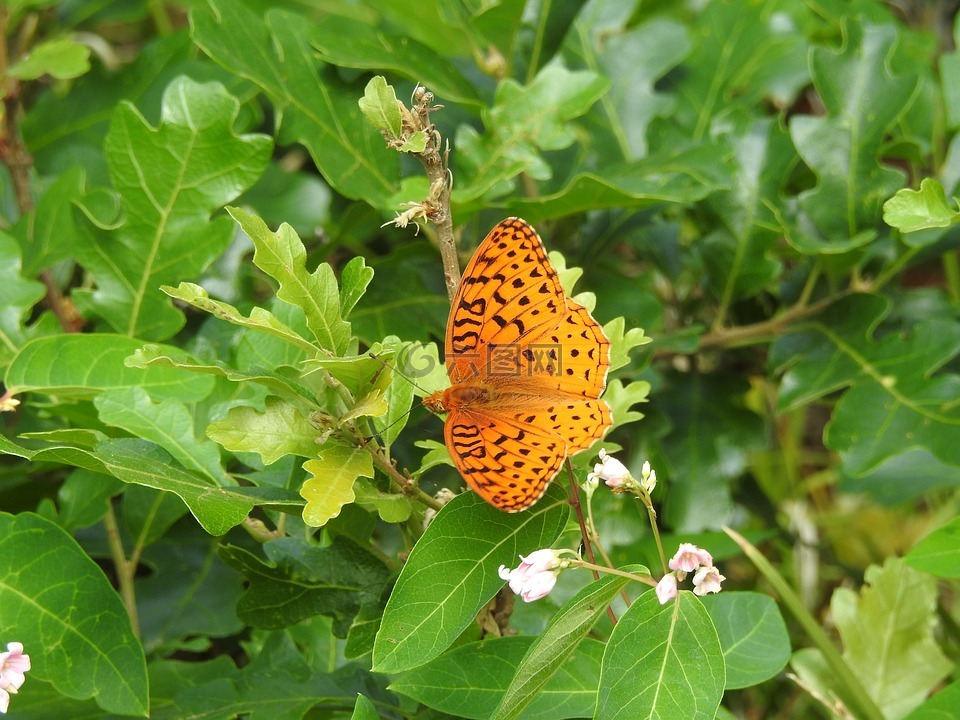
(861, 703)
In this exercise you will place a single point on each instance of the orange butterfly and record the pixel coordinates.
(527, 366)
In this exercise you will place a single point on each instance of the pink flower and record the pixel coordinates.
(535, 577)
(707, 580)
(13, 665)
(667, 588)
(688, 557)
(613, 472)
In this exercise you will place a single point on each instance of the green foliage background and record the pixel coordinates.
(206, 489)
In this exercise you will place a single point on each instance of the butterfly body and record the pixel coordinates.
(527, 365)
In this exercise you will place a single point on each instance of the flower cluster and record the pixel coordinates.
(13, 665)
(615, 474)
(536, 575)
(690, 559)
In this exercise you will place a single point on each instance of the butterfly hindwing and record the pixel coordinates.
(508, 463)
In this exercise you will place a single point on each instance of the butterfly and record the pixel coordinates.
(527, 366)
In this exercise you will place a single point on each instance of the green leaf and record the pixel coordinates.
(17, 297)
(354, 279)
(662, 661)
(168, 423)
(188, 591)
(259, 319)
(562, 636)
(168, 194)
(68, 617)
(634, 60)
(300, 580)
(709, 447)
(330, 483)
(682, 175)
(314, 109)
(278, 431)
(895, 402)
(939, 552)
(887, 633)
(942, 706)
(522, 122)
(379, 106)
(83, 499)
(756, 646)
(452, 573)
(81, 366)
(62, 58)
(282, 256)
(216, 508)
(41, 234)
(392, 508)
(470, 680)
(863, 99)
(742, 55)
(736, 255)
(364, 709)
(155, 357)
(911, 210)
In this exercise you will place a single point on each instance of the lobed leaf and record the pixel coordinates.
(163, 178)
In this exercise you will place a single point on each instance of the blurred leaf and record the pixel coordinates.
(299, 580)
(709, 446)
(41, 234)
(470, 680)
(330, 483)
(662, 661)
(895, 401)
(17, 297)
(743, 54)
(68, 617)
(83, 498)
(522, 122)
(167, 234)
(736, 255)
(317, 110)
(683, 174)
(887, 633)
(634, 60)
(349, 42)
(863, 99)
(452, 573)
(187, 592)
(365, 709)
(62, 59)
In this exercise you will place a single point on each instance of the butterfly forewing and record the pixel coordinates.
(508, 291)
